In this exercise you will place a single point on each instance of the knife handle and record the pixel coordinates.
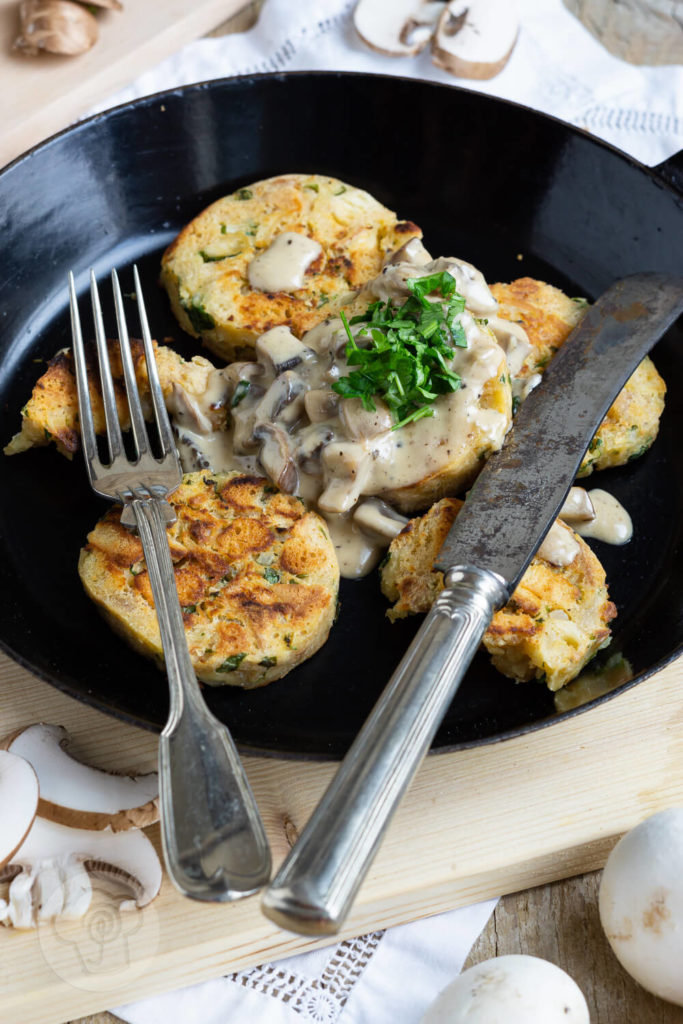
(314, 889)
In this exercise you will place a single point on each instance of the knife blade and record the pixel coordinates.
(508, 511)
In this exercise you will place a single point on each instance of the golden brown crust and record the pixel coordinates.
(256, 573)
(51, 413)
(212, 298)
(549, 316)
(555, 622)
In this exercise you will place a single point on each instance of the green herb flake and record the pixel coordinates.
(137, 568)
(516, 402)
(340, 191)
(244, 193)
(407, 362)
(581, 302)
(288, 640)
(268, 661)
(198, 316)
(313, 188)
(596, 444)
(232, 663)
(189, 609)
(251, 229)
(239, 393)
(224, 229)
(271, 575)
(210, 258)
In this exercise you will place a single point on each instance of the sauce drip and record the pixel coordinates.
(612, 523)
(281, 267)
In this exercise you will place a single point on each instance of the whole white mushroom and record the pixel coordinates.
(641, 903)
(511, 989)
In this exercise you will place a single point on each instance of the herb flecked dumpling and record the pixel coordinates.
(256, 573)
(206, 269)
(554, 623)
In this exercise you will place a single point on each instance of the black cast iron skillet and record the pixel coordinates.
(514, 192)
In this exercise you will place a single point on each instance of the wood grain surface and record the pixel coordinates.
(474, 824)
(560, 923)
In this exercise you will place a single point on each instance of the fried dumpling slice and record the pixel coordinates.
(256, 573)
(549, 316)
(554, 623)
(338, 237)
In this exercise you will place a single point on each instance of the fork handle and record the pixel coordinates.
(215, 845)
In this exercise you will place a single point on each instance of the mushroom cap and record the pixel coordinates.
(18, 803)
(512, 989)
(399, 29)
(641, 903)
(77, 794)
(474, 38)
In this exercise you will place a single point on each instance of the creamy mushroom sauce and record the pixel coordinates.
(281, 267)
(611, 522)
(286, 420)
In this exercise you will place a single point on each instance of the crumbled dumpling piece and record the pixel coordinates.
(554, 623)
(51, 413)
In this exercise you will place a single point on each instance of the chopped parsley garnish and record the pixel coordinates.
(244, 193)
(313, 187)
(239, 393)
(189, 609)
(268, 661)
(232, 663)
(271, 575)
(406, 362)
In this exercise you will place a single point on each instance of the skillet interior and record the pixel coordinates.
(512, 191)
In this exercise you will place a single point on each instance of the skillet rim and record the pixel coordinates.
(179, 92)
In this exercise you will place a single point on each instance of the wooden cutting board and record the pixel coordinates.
(475, 824)
(44, 94)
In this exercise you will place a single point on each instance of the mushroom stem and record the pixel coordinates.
(55, 862)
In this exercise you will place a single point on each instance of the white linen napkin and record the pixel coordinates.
(556, 67)
(389, 976)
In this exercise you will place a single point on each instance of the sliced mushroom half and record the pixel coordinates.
(54, 862)
(76, 794)
(18, 803)
(474, 38)
(578, 507)
(398, 29)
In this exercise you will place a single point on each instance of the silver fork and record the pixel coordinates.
(215, 845)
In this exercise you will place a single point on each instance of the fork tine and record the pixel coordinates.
(137, 420)
(84, 405)
(111, 415)
(160, 414)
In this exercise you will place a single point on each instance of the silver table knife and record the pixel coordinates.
(506, 515)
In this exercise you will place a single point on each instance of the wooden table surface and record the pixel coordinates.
(558, 922)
